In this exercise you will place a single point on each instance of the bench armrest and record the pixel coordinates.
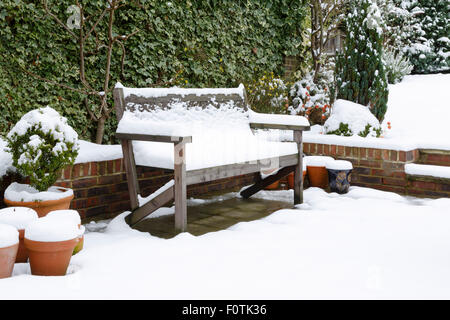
(152, 137)
(278, 121)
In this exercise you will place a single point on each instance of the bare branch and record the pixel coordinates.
(58, 21)
(95, 24)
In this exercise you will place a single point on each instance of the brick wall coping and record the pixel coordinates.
(370, 142)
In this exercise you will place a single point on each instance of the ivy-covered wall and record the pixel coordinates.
(198, 43)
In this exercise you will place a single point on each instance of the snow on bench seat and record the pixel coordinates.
(221, 133)
(427, 170)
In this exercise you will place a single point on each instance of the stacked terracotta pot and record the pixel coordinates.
(74, 217)
(20, 218)
(9, 244)
(48, 242)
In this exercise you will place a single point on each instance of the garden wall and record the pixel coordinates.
(101, 187)
(384, 169)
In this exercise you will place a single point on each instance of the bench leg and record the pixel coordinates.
(180, 188)
(130, 169)
(298, 171)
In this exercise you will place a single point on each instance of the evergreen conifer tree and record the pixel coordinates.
(360, 72)
(429, 47)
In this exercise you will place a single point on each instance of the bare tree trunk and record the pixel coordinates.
(100, 130)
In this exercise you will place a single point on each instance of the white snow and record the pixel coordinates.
(282, 119)
(19, 217)
(51, 230)
(366, 244)
(356, 116)
(317, 161)
(165, 187)
(339, 165)
(69, 215)
(26, 193)
(9, 236)
(220, 136)
(5, 159)
(50, 122)
(427, 170)
(161, 92)
(90, 152)
(418, 111)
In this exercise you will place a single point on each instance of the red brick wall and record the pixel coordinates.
(384, 169)
(101, 187)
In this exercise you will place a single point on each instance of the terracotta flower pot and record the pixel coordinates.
(317, 171)
(22, 252)
(7, 259)
(50, 258)
(318, 176)
(290, 179)
(43, 207)
(19, 217)
(273, 186)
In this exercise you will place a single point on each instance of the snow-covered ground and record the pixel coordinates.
(365, 244)
(419, 114)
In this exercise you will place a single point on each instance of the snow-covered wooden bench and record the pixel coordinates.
(203, 135)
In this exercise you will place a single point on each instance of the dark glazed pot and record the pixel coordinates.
(339, 180)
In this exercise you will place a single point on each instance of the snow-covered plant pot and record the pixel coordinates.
(74, 217)
(24, 195)
(290, 177)
(9, 244)
(349, 118)
(339, 175)
(50, 243)
(41, 145)
(19, 217)
(317, 172)
(266, 173)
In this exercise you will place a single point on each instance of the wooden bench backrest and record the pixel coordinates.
(149, 99)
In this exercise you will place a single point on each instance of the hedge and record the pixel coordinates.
(197, 43)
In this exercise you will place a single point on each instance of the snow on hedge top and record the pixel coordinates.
(68, 215)
(50, 121)
(48, 230)
(356, 116)
(18, 217)
(9, 236)
(161, 92)
(25, 193)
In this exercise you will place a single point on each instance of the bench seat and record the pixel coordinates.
(206, 155)
(202, 135)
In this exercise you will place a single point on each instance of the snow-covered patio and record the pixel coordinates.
(365, 244)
